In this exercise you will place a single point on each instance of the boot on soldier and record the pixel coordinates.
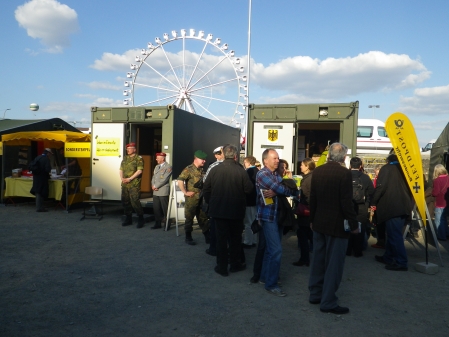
(157, 225)
(189, 239)
(128, 220)
(140, 222)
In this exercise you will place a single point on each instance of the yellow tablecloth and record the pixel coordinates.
(20, 187)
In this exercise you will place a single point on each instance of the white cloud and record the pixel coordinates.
(427, 101)
(336, 78)
(49, 21)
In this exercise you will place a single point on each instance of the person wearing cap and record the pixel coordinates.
(188, 182)
(212, 250)
(40, 179)
(131, 169)
(160, 184)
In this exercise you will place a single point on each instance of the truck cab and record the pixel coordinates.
(429, 145)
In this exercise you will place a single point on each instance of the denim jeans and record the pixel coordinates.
(394, 247)
(441, 223)
(273, 253)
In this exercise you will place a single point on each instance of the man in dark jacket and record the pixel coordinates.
(393, 204)
(365, 189)
(40, 180)
(225, 191)
(330, 204)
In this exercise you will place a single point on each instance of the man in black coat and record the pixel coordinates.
(330, 204)
(225, 191)
(365, 189)
(393, 204)
(40, 180)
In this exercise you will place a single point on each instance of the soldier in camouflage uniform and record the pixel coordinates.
(130, 174)
(192, 175)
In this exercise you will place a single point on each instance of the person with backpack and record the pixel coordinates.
(362, 190)
(41, 167)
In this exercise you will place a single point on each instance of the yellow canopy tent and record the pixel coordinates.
(54, 139)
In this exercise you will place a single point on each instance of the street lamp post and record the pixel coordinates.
(373, 106)
(4, 113)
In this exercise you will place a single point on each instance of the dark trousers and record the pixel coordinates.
(326, 270)
(160, 207)
(380, 233)
(304, 234)
(258, 260)
(355, 243)
(232, 230)
(213, 237)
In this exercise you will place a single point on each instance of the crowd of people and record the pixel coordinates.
(333, 212)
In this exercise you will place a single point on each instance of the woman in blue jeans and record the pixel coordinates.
(440, 192)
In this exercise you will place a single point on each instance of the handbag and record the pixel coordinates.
(255, 227)
(302, 210)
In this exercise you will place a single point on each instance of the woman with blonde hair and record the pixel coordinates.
(440, 192)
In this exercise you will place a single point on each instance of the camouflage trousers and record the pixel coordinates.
(131, 200)
(193, 208)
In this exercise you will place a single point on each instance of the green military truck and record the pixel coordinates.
(298, 131)
(167, 129)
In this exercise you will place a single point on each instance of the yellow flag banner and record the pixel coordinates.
(405, 144)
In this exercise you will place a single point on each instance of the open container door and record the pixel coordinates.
(107, 154)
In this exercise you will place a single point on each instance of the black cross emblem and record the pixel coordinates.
(416, 187)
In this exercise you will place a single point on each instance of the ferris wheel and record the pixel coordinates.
(192, 71)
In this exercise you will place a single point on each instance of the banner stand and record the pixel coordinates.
(424, 230)
(175, 206)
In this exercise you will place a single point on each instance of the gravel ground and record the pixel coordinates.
(60, 276)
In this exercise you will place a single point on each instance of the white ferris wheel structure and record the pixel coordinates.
(193, 71)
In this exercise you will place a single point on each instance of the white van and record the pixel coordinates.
(372, 137)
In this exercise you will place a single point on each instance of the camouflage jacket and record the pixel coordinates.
(191, 175)
(129, 166)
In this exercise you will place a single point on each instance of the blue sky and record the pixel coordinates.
(69, 55)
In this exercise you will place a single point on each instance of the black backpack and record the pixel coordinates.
(35, 166)
(358, 194)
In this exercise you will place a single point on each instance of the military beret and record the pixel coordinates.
(200, 154)
(163, 154)
(131, 145)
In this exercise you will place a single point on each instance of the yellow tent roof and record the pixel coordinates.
(50, 138)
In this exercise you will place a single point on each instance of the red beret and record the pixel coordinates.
(161, 154)
(131, 145)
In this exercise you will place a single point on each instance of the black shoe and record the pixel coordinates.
(237, 268)
(189, 239)
(254, 279)
(210, 253)
(358, 254)
(244, 245)
(314, 301)
(301, 263)
(395, 267)
(156, 226)
(217, 270)
(42, 210)
(128, 221)
(140, 222)
(337, 310)
(380, 259)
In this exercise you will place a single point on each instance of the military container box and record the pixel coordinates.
(298, 131)
(167, 129)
